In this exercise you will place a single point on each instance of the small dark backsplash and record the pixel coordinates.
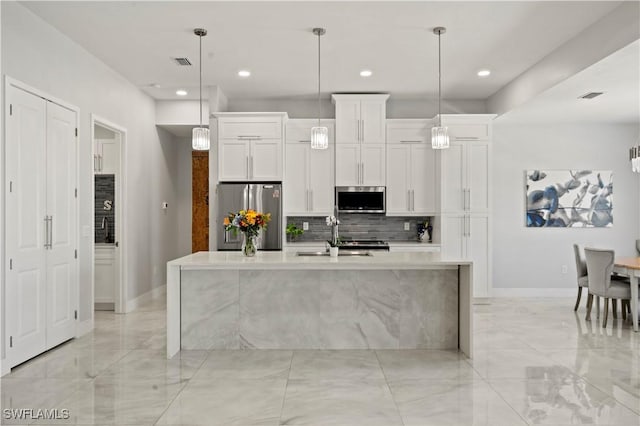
(105, 197)
(360, 226)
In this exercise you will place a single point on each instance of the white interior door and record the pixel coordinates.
(61, 208)
(25, 230)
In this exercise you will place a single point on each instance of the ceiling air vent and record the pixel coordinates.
(590, 95)
(184, 62)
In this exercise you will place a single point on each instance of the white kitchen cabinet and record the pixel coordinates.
(465, 195)
(250, 146)
(308, 172)
(360, 139)
(358, 165)
(409, 247)
(411, 168)
(105, 158)
(360, 118)
(466, 236)
(466, 164)
(105, 274)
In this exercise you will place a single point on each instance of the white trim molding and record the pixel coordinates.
(534, 292)
(150, 295)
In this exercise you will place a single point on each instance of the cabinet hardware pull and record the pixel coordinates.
(305, 141)
(362, 174)
(410, 141)
(358, 130)
(50, 232)
(311, 200)
(362, 134)
(248, 137)
(466, 138)
(46, 232)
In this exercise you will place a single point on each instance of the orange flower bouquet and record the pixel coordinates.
(249, 222)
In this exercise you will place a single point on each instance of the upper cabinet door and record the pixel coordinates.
(348, 121)
(109, 159)
(233, 160)
(265, 160)
(372, 167)
(478, 176)
(373, 121)
(398, 179)
(250, 127)
(321, 194)
(453, 178)
(423, 179)
(295, 187)
(347, 164)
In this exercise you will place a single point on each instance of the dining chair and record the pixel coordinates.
(581, 269)
(599, 268)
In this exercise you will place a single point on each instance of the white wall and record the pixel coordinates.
(49, 61)
(528, 261)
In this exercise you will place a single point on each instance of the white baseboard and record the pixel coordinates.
(84, 327)
(154, 293)
(534, 292)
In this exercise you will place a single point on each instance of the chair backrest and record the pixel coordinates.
(599, 268)
(581, 264)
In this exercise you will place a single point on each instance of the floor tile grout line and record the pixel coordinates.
(386, 380)
(286, 386)
(595, 385)
(507, 402)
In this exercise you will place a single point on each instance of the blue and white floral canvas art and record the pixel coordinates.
(569, 198)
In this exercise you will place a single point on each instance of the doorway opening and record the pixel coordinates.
(199, 201)
(109, 284)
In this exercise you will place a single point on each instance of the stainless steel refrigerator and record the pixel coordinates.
(262, 197)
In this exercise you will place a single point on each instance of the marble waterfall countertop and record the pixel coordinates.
(286, 260)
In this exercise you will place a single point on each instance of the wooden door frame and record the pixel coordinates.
(121, 231)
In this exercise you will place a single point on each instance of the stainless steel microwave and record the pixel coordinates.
(360, 199)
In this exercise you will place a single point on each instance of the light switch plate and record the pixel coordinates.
(305, 226)
(407, 226)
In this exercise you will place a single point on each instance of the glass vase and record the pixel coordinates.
(249, 245)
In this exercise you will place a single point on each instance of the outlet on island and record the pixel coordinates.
(305, 226)
(407, 226)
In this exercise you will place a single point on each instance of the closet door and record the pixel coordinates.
(25, 230)
(61, 209)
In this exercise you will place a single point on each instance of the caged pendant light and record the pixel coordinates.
(439, 134)
(200, 139)
(319, 134)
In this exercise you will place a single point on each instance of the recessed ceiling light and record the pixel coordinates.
(244, 73)
(181, 92)
(154, 85)
(366, 73)
(484, 73)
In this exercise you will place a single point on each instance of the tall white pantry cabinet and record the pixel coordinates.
(465, 202)
(41, 223)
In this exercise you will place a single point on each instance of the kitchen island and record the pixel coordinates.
(279, 300)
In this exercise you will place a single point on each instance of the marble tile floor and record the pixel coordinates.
(536, 362)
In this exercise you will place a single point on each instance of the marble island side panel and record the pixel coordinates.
(319, 309)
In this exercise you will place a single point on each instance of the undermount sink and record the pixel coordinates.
(340, 253)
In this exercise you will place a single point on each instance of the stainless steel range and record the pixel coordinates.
(349, 244)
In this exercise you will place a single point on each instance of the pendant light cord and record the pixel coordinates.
(200, 37)
(439, 83)
(319, 107)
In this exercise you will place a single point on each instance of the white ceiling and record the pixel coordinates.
(274, 41)
(617, 76)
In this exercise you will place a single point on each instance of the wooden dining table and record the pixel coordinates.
(630, 266)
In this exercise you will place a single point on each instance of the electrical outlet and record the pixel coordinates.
(564, 269)
(407, 226)
(305, 226)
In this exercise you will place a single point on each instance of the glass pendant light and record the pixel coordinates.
(319, 134)
(439, 134)
(200, 139)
